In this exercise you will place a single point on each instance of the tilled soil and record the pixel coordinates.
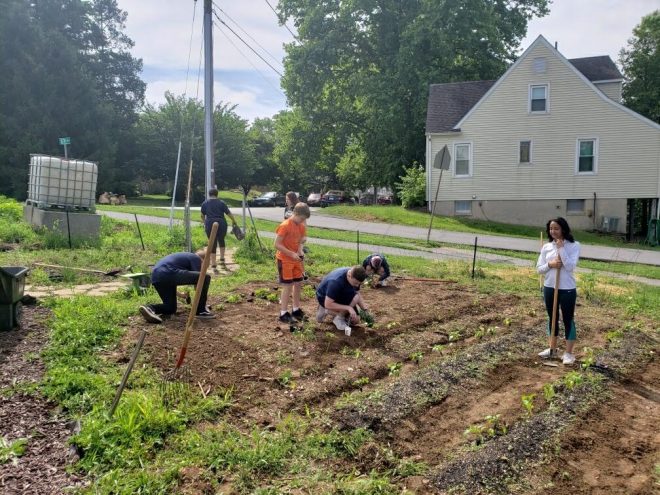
(440, 358)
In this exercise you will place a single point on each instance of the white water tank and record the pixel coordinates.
(62, 183)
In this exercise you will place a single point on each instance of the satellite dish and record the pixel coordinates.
(442, 159)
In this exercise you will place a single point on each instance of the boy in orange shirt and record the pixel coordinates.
(289, 244)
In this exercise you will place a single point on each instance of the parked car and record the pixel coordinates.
(314, 199)
(334, 197)
(384, 199)
(366, 199)
(268, 199)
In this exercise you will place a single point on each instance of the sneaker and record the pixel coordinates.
(149, 315)
(321, 314)
(340, 322)
(568, 359)
(286, 318)
(549, 354)
(299, 315)
(205, 315)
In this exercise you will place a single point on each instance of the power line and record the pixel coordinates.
(246, 44)
(278, 18)
(248, 60)
(248, 34)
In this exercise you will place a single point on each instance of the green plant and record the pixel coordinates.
(548, 391)
(491, 427)
(361, 382)
(589, 358)
(394, 369)
(265, 293)
(234, 298)
(507, 321)
(286, 379)
(528, 403)
(10, 451)
(614, 336)
(416, 357)
(454, 335)
(412, 188)
(366, 317)
(573, 379)
(437, 347)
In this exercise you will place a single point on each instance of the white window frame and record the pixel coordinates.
(463, 212)
(547, 99)
(577, 155)
(470, 160)
(576, 212)
(531, 149)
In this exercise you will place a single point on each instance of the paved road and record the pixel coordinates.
(443, 253)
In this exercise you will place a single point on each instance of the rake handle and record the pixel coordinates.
(198, 294)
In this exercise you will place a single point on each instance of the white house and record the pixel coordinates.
(549, 138)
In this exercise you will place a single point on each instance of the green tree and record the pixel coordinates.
(51, 87)
(359, 70)
(641, 67)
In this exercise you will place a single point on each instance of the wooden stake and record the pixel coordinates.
(198, 294)
(129, 368)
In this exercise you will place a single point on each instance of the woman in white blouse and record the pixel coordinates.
(561, 252)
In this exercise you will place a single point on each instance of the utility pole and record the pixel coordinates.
(209, 177)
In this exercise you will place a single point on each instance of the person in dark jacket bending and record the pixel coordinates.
(170, 272)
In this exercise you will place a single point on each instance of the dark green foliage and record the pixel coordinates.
(66, 71)
(641, 66)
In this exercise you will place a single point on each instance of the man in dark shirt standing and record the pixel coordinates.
(171, 271)
(214, 210)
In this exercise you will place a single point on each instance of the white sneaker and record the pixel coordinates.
(340, 323)
(321, 313)
(384, 283)
(549, 354)
(347, 331)
(568, 359)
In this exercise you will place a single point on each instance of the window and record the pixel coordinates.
(574, 206)
(538, 98)
(525, 152)
(587, 156)
(463, 207)
(463, 160)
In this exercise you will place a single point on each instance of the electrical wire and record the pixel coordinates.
(246, 44)
(248, 34)
(248, 60)
(278, 18)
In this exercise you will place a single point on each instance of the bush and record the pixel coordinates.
(412, 188)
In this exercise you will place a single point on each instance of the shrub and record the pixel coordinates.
(412, 188)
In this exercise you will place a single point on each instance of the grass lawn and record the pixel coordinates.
(232, 198)
(399, 215)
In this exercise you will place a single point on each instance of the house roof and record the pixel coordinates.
(448, 103)
(597, 68)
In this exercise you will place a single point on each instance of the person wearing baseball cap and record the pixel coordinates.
(376, 265)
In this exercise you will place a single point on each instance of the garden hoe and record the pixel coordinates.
(198, 293)
(111, 273)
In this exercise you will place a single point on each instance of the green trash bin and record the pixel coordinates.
(12, 284)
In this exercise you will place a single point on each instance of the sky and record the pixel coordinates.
(162, 32)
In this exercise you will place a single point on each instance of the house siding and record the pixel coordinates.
(628, 163)
(611, 89)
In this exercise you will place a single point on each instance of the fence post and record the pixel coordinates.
(474, 256)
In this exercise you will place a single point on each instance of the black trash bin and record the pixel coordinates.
(12, 283)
